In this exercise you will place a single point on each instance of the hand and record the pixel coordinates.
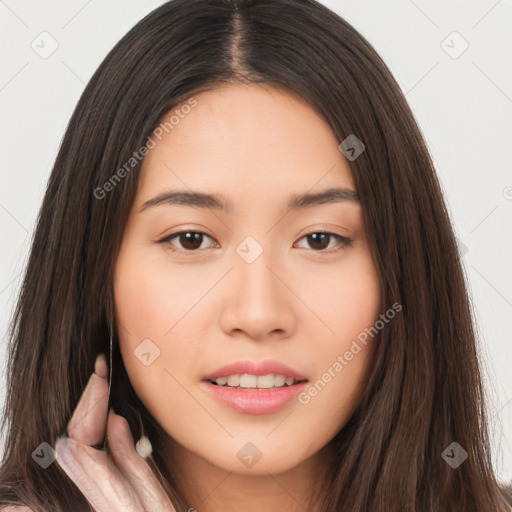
(122, 481)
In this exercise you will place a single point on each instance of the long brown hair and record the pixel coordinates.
(425, 390)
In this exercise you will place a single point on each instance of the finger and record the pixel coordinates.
(97, 477)
(89, 420)
(100, 366)
(146, 485)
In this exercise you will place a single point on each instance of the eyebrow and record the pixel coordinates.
(216, 202)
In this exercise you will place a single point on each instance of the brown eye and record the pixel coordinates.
(319, 241)
(190, 241)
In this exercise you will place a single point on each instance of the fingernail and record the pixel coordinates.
(100, 364)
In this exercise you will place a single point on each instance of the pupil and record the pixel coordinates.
(316, 236)
(189, 240)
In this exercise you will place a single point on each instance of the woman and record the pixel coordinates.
(302, 355)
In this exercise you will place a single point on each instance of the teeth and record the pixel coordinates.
(266, 381)
(279, 380)
(234, 380)
(255, 381)
(248, 381)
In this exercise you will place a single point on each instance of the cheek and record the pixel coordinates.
(346, 298)
(343, 353)
(141, 299)
(146, 312)
(152, 296)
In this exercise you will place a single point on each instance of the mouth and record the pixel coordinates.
(250, 387)
(248, 381)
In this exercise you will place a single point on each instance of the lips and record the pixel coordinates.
(254, 400)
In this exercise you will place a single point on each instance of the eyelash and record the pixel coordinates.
(344, 242)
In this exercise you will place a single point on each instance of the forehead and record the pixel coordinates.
(253, 139)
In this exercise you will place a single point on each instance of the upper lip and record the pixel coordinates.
(254, 368)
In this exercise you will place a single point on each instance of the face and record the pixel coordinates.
(244, 279)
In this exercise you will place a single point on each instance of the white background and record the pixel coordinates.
(463, 106)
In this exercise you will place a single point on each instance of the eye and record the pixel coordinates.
(191, 241)
(321, 240)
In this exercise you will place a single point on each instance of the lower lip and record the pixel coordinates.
(255, 401)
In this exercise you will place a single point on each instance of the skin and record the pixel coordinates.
(117, 482)
(299, 302)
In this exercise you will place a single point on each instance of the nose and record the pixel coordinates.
(259, 300)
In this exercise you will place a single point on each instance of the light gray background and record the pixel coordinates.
(462, 101)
